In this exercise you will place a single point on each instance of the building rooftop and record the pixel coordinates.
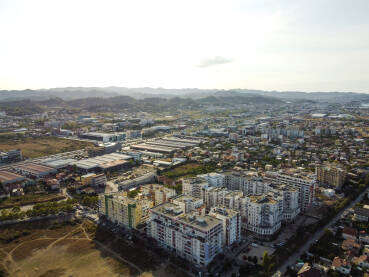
(9, 177)
(262, 199)
(35, 168)
(203, 223)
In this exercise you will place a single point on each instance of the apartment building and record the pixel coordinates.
(125, 211)
(198, 239)
(213, 195)
(290, 196)
(254, 186)
(214, 179)
(194, 186)
(234, 180)
(305, 186)
(330, 175)
(189, 204)
(264, 215)
(231, 220)
(157, 193)
(222, 197)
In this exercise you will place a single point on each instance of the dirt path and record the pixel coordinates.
(9, 255)
(60, 239)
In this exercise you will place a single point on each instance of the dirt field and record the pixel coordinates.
(65, 249)
(43, 146)
(68, 251)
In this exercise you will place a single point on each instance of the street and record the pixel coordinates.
(292, 259)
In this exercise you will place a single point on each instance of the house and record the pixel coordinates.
(361, 214)
(362, 261)
(53, 184)
(310, 271)
(349, 233)
(350, 244)
(17, 192)
(341, 265)
(364, 238)
(366, 250)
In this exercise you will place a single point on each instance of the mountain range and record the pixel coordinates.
(72, 93)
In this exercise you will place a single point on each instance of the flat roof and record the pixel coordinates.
(6, 177)
(35, 168)
(113, 163)
(155, 148)
(102, 161)
(202, 223)
(57, 163)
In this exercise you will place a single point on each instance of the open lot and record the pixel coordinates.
(41, 146)
(189, 170)
(256, 251)
(65, 249)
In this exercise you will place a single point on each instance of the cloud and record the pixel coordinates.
(214, 61)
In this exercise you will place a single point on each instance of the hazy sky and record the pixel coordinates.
(308, 45)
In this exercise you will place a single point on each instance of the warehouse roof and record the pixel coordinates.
(7, 177)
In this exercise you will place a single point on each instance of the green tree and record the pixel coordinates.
(267, 263)
(16, 209)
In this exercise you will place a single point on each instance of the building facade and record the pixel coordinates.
(125, 211)
(329, 175)
(264, 215)
(197, 239)
(231, 220)
(157, 193)
(306, 187)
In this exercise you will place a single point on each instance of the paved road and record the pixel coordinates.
(292, 259)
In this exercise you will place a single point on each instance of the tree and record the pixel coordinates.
(267, 264)
(16, 209)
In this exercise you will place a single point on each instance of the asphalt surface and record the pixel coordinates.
(292, 259)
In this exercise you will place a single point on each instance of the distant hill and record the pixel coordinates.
(116, 96)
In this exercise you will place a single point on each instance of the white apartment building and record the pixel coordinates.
(222, 197)
(254, 186)
(194, 186)
(157, 193)
(290, 196)
(197, 239)
(189, 204)
(306, 187)
(264, 215)
(231, 200)
(234, 180)
(213, 196)
(231, 220)
(214, 179)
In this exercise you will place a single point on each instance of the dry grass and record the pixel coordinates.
(64, 249)
(42, 146)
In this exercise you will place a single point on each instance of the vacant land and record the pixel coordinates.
(41, 146)
(189, 170)
(66, 249)
(28, 199)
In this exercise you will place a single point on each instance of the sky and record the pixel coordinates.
(304, 45)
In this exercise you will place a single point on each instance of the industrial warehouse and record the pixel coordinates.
(108, 162)
(166, 145)
(7, 177)
(35, 170)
